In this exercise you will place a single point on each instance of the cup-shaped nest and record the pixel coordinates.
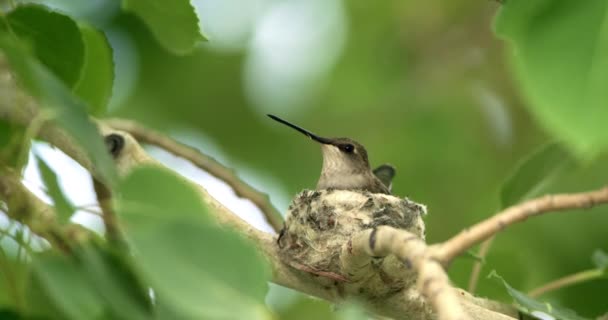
(317, 237)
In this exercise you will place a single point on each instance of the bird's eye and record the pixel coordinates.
(115, 143)
(348, 148)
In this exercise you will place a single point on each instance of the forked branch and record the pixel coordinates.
(469, 237)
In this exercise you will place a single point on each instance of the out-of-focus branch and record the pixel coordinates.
(203, 161)
(23, 205)
(108, 215)
(469, 237)
(566, 281)
(27, 208)
(478, 265)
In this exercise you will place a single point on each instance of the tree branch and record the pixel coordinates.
(23, 205)
(108, 215)
(432, 281)
(27, 208)
(469, 237)
(19, 108)
(204, 162)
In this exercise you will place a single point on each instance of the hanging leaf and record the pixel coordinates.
(535, 173)
(560, 60)
(54, 38)
(97, 74)
(63, 206)
(173, 23)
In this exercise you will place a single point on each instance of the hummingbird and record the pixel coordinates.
(346, 166)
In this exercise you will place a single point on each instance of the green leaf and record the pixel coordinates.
(63, 206)
(194, 266)
(54, 37)
(560, 60)
(531, 306)
(56, 98)
(97, 76)
(535, 173)
(309, 308)
(6, 314)
(173, 23)
(90, 283)
(162, 191)
(116, 283)
(600, 259)
(59, 285)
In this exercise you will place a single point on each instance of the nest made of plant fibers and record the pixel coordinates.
(319, 223)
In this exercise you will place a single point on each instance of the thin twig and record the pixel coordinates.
(104, 197)
(203, 161)
(469, 237)
(566, 281)
(478, 265)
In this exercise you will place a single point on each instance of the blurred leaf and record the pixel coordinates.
(535, 173)
(194, 266)
(54, 37)
(6, 314)
(531, 306)
(63, 206)
(311, 308)
(59, 285)
(88, 284)
(97, 76)
(116, 283)
(308, 308)
(560, 59)
(600, 259)
(173, 23)
(70, 113)
(161, 191)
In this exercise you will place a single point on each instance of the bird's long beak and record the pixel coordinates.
(302, 130)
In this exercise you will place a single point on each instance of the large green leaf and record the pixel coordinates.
(54, 37)
(90, 283)
(63, 206)
(532, 306)
(116, 283)
(173, 23)
(59, 287)
(195, 267)
(560, 59)
(535, 173)
(97, 76)
(69, 112)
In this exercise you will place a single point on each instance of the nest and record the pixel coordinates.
(318, 230)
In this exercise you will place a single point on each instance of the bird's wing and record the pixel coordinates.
(385, 173)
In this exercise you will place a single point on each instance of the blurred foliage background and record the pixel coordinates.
(424, 85)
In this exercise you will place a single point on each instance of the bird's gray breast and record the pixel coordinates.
(351, 181)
